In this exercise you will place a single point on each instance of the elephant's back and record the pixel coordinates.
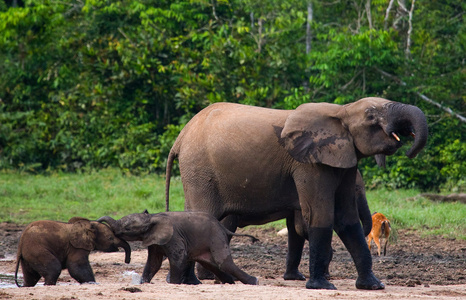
(226, 112)
(224, 136)
(231, 125)
(40, 234)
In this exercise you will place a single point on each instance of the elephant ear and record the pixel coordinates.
(82, 236)
(314, 134)
(161, 231)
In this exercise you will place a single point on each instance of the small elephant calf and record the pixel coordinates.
(185, 238)
(47, 247)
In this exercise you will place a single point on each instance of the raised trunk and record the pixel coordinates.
(363, 208)
(408, 120)
(111, 222)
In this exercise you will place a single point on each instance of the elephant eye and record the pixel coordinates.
(372, 119)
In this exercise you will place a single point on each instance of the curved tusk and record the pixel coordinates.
(413, 134)
(395, 136)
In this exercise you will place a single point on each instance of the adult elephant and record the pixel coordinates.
(249, 165)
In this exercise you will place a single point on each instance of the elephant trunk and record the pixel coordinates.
(363, 208)
(408, 120)
(114, 225)
(124, 244)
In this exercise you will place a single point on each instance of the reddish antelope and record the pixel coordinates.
(380, 229)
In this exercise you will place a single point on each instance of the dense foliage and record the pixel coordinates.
(96, 83)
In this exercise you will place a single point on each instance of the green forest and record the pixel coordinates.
(93, 84)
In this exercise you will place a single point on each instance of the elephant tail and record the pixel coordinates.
(18, 260)
(253, 238)
(168, 172)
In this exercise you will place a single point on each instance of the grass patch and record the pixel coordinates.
(25, 198)
(406, 209)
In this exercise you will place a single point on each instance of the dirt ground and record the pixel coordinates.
(414, 268)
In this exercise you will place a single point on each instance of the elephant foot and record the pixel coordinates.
(192, 282)
(185, 280)
(203, 273)
(321, 283)
(369, 283)
(89, 282)
(252, 281)
(293, 275)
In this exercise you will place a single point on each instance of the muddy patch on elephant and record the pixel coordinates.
(424, 266)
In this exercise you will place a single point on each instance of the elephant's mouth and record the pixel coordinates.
(112, 248)
(403, 130)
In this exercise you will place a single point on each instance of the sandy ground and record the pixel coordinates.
(414, 268)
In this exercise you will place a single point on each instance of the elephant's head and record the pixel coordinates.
(340, 135)
(151, 229)
(92, 235)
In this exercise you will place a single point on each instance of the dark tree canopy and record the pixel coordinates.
(94, 84)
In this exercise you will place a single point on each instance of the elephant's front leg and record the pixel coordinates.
(353, 238)
(154, 261)
(181, 268)
(79, 267)
(349, 230)
(316, 186)
(320, 250)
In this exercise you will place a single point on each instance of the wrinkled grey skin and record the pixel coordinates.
(183, 237)
(297, 236)
(47, 247)
(248, 165)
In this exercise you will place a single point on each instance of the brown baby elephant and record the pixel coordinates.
(47, 247)
(183, 237)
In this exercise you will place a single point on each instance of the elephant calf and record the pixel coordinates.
(183, 237)
(47, 247)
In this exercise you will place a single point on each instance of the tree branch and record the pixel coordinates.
(387, 13)
(214, 11)
(423, 97)
(308, 27)
(368, 13)
(410, 30)
(351, 81)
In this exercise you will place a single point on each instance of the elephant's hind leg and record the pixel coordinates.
(222, 276)
(229, 267)
(295, 251)
(230, 222)
(52, 271)
(30, 276)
